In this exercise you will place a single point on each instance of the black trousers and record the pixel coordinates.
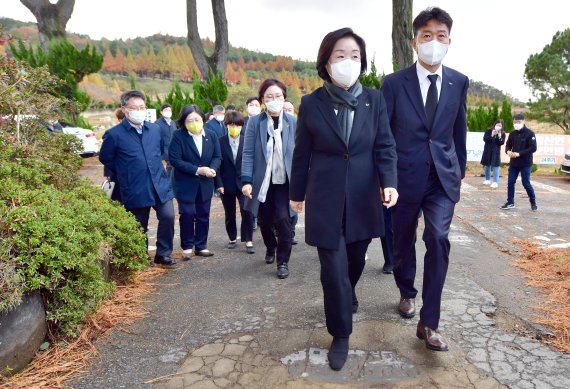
(340, 271)
(165, 231)
(273, 216)
(194, 223)
(246, 229)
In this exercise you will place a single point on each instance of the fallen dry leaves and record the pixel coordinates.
(549, 271)
(65, 359)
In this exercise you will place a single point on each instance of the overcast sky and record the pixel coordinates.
(491, 40)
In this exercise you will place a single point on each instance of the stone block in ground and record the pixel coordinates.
(22, 331)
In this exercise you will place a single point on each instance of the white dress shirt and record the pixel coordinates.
(423, 74)
(234, 144)
(198, 141)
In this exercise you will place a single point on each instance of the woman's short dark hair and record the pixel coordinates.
(327, 46)
(432, 13)
(187, 110)
(270, 82)
(252, 98)
(233, 118)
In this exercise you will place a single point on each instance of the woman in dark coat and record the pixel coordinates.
(344, 167)
(494, 138)
(194, 153)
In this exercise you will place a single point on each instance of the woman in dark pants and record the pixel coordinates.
(266, 172)
(228, 182)
(195, 155)
(494, 138)
(344, 167)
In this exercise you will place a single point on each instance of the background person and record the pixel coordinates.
(266, 173)
(289, 108)
(167, 128)
(494, 138)
(131, 151)
(195, 154)
(228, 182)
(217, 124)
(426, 104)
(520, 147)
(344, 164)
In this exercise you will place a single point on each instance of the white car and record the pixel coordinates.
(565, 166)
(87, 137)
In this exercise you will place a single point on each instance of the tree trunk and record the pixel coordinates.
(219, 59)
(402, 52)
(51, 18)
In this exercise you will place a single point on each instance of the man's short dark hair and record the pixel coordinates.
(125, 97)
(327, 46)
(187, 110)
(432, 13)
(231, 107)
(165, 106)
(234, 118)
(252, 98)
(270, 82)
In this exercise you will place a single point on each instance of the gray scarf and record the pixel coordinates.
(344, 101)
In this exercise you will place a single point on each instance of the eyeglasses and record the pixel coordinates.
(278, 96)
(136, 108)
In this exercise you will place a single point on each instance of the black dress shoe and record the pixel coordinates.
(407, 307)
(250, 249)
(282, 271)
(431, 337)
(387, 269)
(164, 261)
(294, 242)
(354, 307)
(269, 257)
(338, 353)
(232, 244)
(203, 253)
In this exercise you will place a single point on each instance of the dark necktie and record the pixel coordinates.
(431, 100)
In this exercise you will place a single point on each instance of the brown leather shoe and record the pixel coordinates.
(407, 307)
(432, 338)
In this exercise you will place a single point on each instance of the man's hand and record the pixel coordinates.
(296, 206)
(247, 191)
(221, 190)
(389, 197)
(206, 172)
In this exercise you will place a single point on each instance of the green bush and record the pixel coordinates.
(534, 168)
(57, 231)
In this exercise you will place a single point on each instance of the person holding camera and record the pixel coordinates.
(494, 138)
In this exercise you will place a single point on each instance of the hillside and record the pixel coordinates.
(167, 58)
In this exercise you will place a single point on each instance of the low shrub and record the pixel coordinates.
(57, 232)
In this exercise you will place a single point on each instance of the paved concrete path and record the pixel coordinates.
(227, 321)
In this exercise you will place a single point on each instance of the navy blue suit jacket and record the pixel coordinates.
(339, 181)
(166, 131)
(446, 140)
(217, 127)
(136, 162)
(186, 161)
(229, 176)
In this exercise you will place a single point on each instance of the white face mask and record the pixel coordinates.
(219, 118)
(137, 117)
(498, 128)
(167, 114)
(253, 110)
(345, 72)
(275, 106)
(432, 52)
(518, 126)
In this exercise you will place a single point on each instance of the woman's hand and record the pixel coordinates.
(221, 190)
(296, 206)
(389, 197)
(246, 190)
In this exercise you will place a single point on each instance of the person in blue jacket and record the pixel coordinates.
(131, 151)
(195, 155)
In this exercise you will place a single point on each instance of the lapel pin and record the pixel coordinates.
(368, 104)
(450, 83)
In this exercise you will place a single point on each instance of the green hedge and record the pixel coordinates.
(56, 231)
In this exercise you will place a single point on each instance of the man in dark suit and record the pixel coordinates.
(167, 128)
(216, 125)
(131, 151)
(228, 182)
(426, 104)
